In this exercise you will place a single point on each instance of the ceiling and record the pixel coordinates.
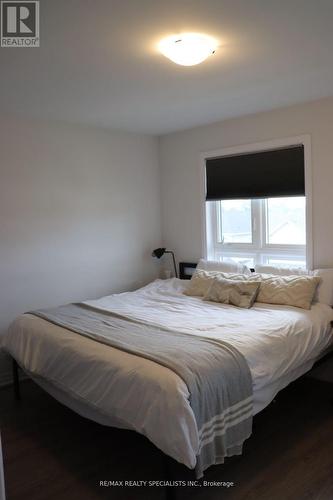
(98, 63)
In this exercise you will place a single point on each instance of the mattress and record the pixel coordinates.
(279, 343)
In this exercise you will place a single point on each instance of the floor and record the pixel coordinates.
(51, 453)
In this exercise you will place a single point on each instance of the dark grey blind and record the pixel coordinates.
(267, 174)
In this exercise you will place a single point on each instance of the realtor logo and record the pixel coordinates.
(20, 24)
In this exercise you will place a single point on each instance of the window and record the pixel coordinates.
(258, 203)
(268, 231)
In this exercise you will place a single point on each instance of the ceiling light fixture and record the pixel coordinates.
(188, 49)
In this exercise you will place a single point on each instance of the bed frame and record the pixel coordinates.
(16, 380)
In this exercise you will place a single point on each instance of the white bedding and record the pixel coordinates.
(279, 343)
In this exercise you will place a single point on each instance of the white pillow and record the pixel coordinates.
(224, 267)
(324, 293)
(325, 290)
(282, 271)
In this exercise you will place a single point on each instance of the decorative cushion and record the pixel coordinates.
(238, 293)
(324, 293)
(201, 281)
(293, 290)
(297, 291)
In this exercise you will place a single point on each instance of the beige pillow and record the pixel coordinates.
(293, 290)
(201, 281)
(297, 291)
(229, 291)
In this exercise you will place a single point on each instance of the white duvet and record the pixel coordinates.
(116, 388)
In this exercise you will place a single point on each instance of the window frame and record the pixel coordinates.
(265, 250)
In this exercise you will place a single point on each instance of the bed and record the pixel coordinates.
(120, 389)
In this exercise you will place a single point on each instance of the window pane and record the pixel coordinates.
(286, 221)
(235, 225)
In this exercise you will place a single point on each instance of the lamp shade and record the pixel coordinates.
(158, 252)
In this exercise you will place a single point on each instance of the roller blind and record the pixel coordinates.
(265, 174)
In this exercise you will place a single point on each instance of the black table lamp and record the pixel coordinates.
(159, 252)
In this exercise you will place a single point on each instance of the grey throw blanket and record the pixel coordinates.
(216, 374)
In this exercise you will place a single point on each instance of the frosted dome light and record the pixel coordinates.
(188, 49)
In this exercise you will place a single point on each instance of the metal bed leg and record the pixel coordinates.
(170, 491)
(16, 381)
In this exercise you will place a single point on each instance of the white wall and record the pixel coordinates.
(181, 182)
(79, 214)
